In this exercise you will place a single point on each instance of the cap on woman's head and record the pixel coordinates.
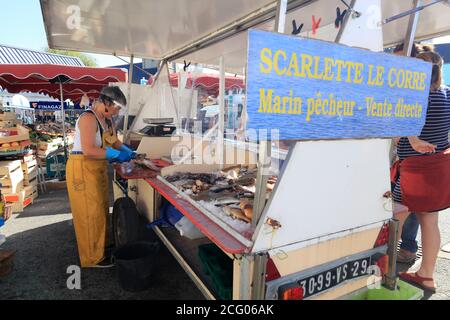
(113, 94)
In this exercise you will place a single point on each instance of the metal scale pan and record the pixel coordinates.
(158, 120)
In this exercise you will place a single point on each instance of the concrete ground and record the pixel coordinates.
(442, 275)
(45, 241)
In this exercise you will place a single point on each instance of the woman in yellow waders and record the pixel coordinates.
(87, 178)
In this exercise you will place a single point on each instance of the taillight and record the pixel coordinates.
(272, 272)
(383, 236)
(383, 263)
(290, 292)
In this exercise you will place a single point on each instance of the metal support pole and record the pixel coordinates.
(259, 275)
(243, 274)
(41, 177)
(390, 279)
(63, 121)
(344, 23)
(130, 80)
(407, 50)
(280, 16)
(220, 145)
(179, 103)
(409, 12)
(411, 31)
(58, 172)
(264, 162)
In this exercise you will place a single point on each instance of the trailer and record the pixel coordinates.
(326, 229)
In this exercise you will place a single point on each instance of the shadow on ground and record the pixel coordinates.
(51, 203)
(441, 277)
(44, 253)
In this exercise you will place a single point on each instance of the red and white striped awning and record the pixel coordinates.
(46, 78)
(208, 82)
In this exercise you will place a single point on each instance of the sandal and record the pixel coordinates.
(414, 278)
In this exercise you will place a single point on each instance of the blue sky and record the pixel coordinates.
(21, 25)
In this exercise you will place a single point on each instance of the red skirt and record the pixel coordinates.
(425, 182)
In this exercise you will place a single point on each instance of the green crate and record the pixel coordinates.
(214, 260)
(404, 291)
(52, 167)
(219, 267)
(223, 284)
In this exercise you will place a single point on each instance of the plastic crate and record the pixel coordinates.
(219, 267)
(404, 291)
(223, 285)
(52, 167)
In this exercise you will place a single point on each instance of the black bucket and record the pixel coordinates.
(135, 262)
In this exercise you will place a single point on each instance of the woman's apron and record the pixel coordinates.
(87, 184)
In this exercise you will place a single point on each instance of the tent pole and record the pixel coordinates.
(64, 121)
(130, 80)
(221, 101)
(412, 28)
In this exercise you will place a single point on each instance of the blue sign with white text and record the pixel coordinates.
(310, 89)
(47, 105)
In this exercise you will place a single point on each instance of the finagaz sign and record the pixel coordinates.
(47, 105)
(311, 89)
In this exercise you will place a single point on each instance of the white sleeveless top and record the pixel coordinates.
(77, 139)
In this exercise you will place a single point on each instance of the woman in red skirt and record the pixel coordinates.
(423, 184)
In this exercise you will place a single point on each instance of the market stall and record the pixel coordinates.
(41, 115)
(61, 82)
(320, 227)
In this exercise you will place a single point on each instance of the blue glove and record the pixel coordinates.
(124, 156)
(112, 154)
(125, 148)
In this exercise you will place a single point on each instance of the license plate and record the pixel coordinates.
(334, 276)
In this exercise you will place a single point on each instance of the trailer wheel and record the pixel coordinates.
(125, 221)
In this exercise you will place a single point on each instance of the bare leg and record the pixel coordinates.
(431, 242)
(401, 216)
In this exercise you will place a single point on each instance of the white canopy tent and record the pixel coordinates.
(14, 100)
(22, 100)
(20, 103)
(33, 97)
(213, 33)
(173, 29)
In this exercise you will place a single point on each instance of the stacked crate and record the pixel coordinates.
(8, 120)
(12, 186)
(18, 181)
(30, 175)
(13, 136)
(45, 148)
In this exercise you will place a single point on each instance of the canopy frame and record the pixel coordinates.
(253, 19)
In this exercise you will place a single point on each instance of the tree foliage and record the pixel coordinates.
(88, 61)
